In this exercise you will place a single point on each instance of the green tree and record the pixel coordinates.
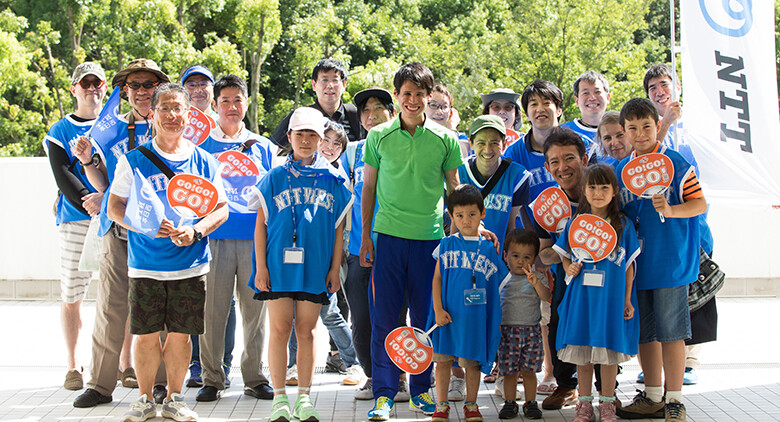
(257, 29)
(26, 105)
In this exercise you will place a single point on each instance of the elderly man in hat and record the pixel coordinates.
(76, 204)
(137, 82)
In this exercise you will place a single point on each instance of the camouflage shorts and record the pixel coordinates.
(174, 304)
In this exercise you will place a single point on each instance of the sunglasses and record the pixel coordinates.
(146, 85)
(94, 83)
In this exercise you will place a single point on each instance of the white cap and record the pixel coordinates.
(308, 118)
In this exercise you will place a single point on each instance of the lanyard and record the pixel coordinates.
(474, 260)
(295, 221)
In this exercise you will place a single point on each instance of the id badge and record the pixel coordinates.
(594, 278)
(293, 255)
(475, 297)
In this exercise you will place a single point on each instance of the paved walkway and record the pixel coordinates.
(740, 376)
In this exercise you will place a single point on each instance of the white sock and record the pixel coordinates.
(655, 394)
(674, 395)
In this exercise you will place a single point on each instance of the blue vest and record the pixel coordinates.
(110, 156)
(670, 250)
(160, 254)
(240, 225)
(320, 204)
(510, 191)
(593, 316)
(474, 332)
(64, 133)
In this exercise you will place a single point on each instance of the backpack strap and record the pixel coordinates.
(496, 177)
(131, 131)
(157, 162)
(244, 146)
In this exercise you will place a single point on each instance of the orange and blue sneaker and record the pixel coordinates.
(382, 408)
(423, 403)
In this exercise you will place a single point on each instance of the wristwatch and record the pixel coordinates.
(197, 234)
(96, 159)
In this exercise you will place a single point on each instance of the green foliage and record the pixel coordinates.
(472, 46)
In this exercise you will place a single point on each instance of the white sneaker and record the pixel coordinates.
(177, 409)
(403, 392)
(499, 391)
(140, 410)
(355, 376)
(457, 391)
(292, 375)
(366, 392)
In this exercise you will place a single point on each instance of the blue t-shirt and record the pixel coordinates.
(474, 332)
(160, 258)
(585, 132)
(521, 153)
(593, 316)
(317, 199)
(241, 222)
(65, 133)
(352, 162)
(670, 250)
(110, 154)
(510, 191)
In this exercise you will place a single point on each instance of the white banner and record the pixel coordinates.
(730, 98)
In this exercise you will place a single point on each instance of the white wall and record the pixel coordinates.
(747, 243)
(29, 245)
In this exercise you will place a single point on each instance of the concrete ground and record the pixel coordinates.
(739, 376)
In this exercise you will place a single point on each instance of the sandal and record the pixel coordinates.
(492, 377)
(546, 387)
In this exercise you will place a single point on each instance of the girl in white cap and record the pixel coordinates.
(301, 207)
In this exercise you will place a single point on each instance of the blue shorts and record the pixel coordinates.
(664, 314)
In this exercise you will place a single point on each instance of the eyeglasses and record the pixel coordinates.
(497, 108)
(326, 81)
(167, 110)
(145, 84)
(95, 83)
(192, 85)
(437, 106)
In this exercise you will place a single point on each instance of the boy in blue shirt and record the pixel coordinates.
(466, 302)
(668, 263)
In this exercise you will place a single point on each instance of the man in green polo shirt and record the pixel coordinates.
(407, 162)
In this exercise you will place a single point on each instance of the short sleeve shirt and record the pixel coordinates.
(410, 177)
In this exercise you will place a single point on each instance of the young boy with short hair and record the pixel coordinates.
(465, 297)
(520, 350)
(542, 103)
(668, 263)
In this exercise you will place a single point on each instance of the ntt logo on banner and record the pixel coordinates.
(739, 21)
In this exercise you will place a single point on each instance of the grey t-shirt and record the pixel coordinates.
(520, 304)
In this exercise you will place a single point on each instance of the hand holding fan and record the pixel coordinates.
(648, 175)
(591, 239)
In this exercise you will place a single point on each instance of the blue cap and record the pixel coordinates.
(197, 69)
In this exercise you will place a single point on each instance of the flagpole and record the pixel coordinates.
(675, 80)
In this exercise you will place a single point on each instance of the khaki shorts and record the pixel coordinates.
(464, 363)
(177, 305)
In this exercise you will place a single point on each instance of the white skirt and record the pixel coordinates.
(585, 355)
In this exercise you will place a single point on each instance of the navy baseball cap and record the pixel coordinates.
(197, 69)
